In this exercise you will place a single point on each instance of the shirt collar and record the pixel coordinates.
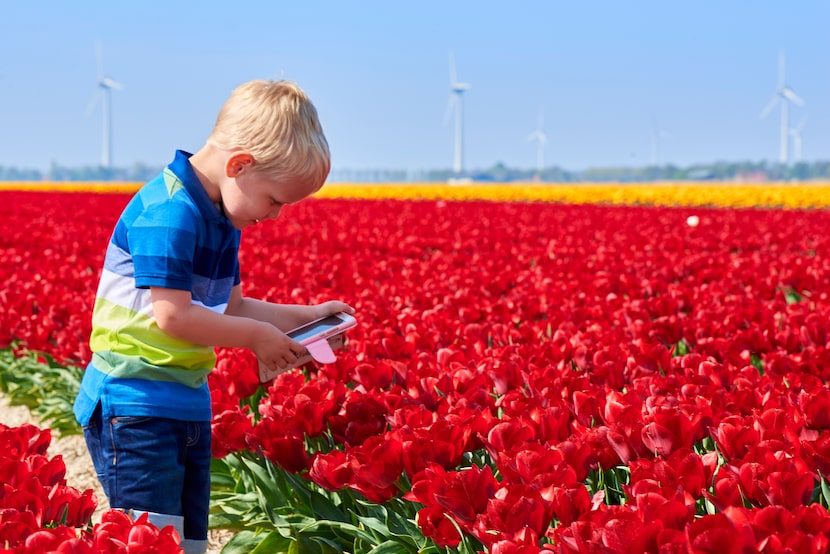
(185, 172)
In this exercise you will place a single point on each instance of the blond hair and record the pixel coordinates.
(278, 125)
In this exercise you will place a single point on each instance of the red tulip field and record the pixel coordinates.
(525, 377)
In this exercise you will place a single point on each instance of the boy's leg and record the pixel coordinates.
(146, 463)
(196, 497)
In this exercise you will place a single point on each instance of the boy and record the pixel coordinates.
(170, 292)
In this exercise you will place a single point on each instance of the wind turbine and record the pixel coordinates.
(539, 136)
(658, 135)
(783, 95)
(105, 87)
(796, 134)
(456, 102)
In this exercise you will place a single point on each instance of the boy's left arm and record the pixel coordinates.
(283, 316)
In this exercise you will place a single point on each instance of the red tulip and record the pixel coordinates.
(511, 510)
(332, 471)
(465, 494)
(717, 534)
(70, 506)
(816, 409)
(362, 416)
(377, 467)
(271, 439)
(434, 524)
(670, 430)
(47, 540)
(568, 503)
(230, 431)
(75, 546)
(16, 525)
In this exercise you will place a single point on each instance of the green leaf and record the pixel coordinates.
(681, 349)
(388, 547)
(376, 525)
(328, 546)
(219, 479)
(243, 542)
(304, 546)
(401, 526)
(268, 496)
(324, 508)
(225, 521)
(825, 490)
(271, 543)
(344, 529)
(792, 297)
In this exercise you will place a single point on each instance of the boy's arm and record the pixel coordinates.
(282, 316)
(177, 316)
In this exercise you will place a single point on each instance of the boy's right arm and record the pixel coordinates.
(177, 316)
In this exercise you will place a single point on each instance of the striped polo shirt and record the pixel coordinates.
(170, 235)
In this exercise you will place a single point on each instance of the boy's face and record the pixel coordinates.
(251, 198)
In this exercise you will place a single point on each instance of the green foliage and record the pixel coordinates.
(610, 482)
(792, 296)
(273, 510)
(42, 385)
(682, 348)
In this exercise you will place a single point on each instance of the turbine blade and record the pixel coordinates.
(111, 84)
(453, 78)
(791, 96)
(92, 102)
(768, 108)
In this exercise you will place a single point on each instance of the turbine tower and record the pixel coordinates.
(658, 135)
(456, 102)
(796, 134)
(539, 136)
(105, 87)
(783, 95)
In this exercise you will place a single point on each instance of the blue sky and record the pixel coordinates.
(606, 75)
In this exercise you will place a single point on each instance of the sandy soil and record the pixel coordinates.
(79, 471)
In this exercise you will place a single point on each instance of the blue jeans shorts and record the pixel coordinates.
(156, 465)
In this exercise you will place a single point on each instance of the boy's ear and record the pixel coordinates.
(237, 163)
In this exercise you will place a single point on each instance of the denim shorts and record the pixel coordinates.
(155, 465)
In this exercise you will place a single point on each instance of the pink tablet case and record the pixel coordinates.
(322, 351)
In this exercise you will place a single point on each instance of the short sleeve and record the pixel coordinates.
(163, 242)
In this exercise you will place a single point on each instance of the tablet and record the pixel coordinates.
(322, 328)
(321, 336)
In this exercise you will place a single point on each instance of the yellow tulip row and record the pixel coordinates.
(70, 186)
(812, 194)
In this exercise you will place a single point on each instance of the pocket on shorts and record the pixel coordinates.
(142, 438)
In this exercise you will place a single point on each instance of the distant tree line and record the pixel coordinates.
(500, 173)
(137, 173)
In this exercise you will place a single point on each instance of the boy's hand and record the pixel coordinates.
(332, 307)
(276, 350)
(279, 353)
